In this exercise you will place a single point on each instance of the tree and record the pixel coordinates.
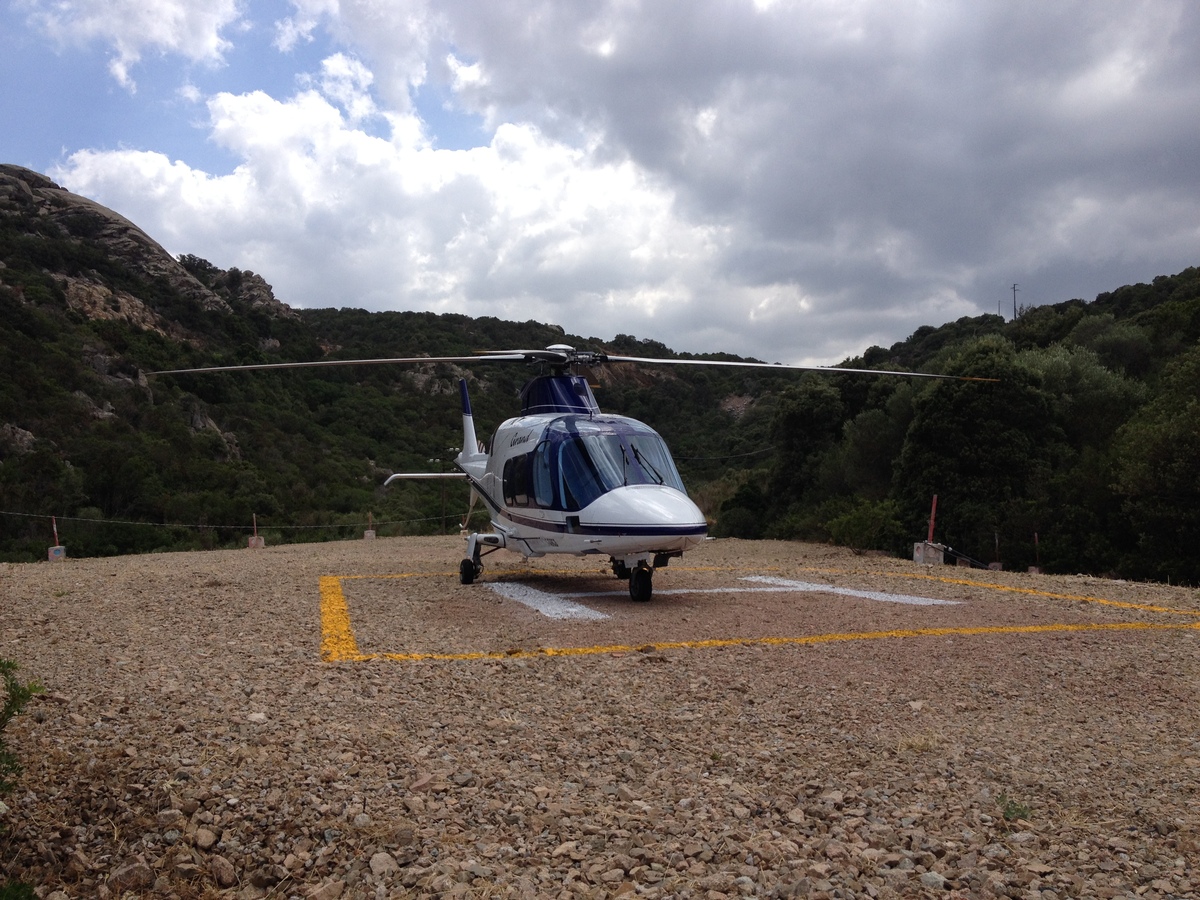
(808, 421)
(1158, 476)
(986, 450)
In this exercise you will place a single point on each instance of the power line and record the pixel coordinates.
(734, 456)
(244, 526)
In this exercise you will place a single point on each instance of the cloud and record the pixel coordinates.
(132, 27)
(526, 227)
(793, 180)
(347, 82)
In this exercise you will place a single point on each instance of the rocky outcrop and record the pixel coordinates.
(15, 441)
(27, 193)
(47, 209)
(98, 301)
(244, 286)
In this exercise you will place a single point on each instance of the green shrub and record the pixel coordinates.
(868, 526)
(17, 890)
(16, 695)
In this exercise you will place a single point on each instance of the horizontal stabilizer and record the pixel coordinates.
(405, 475)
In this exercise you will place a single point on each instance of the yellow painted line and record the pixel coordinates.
(966, 582)
(338, 643)
(400, 575)
(337, 635)
(806, 640)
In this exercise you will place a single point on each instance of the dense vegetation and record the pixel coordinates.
(1090, 440)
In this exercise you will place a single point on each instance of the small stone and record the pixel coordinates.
(330, 890)
(268, 876)
(224, 874)
(836, 850)
(383, 865)
(77, 864)
(133, 877)
(933, 880)
(205, 838)
(168, 817)
(564, 848)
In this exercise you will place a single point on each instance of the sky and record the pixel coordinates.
(791, 181)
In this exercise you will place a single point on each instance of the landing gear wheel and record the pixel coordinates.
(641, 584)
(620, 569)
(468, 570)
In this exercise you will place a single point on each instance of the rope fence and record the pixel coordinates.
(246, 525)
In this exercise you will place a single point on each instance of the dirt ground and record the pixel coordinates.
(347, 720)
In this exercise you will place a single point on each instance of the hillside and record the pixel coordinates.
(1091, 441)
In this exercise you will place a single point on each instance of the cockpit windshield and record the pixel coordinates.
(579, 459)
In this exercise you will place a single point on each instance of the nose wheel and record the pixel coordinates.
(478, 545)
(641, 583)
(468, 571)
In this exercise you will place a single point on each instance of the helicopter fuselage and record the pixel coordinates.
(585, 484)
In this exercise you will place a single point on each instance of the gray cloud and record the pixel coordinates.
(795, 182)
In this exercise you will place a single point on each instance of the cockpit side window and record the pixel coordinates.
(579, 480)
(543, 476)
(654, 461)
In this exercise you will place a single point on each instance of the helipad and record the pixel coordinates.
(365, 617)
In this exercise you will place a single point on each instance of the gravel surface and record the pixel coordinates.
(347, 720)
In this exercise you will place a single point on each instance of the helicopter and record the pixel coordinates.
(565, 477)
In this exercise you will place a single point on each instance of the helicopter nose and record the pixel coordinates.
(649, 511)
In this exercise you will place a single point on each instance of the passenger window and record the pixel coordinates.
(516, 481)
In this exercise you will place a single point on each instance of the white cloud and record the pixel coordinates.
(299, 27)
(526, 227)
(348, 82)
(794, 180)
(133, 27)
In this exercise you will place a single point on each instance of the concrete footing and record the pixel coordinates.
(929, 554)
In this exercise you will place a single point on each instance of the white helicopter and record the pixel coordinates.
(563, 477)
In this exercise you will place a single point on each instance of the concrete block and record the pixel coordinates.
(929, 554)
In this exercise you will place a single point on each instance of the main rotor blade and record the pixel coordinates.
(486, 357)
(833, 370)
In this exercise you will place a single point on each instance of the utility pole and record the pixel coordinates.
(1014, 301)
